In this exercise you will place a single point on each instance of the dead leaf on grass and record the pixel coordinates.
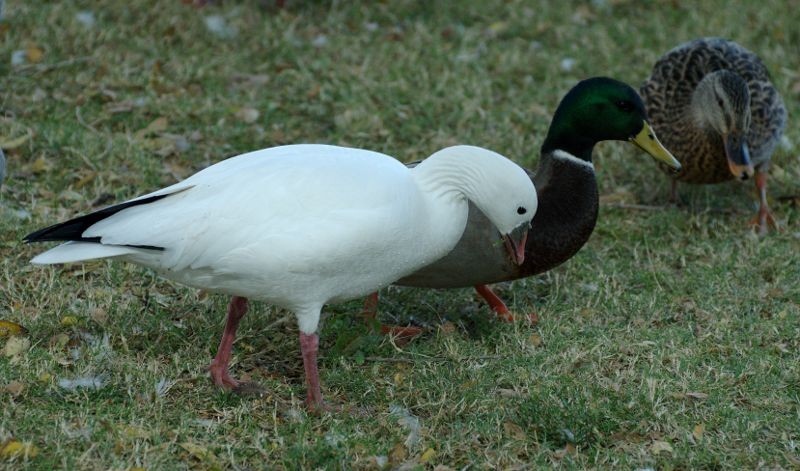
(14, 388)
(202, 454)
(514, 431)
(156, 126)
(659, 446)
(429, 454)
(698, 431)
(247, 115)
(15, 347)
(15, 449)
(34, 54)
(10, 329)
(398, 454)
(569, 449)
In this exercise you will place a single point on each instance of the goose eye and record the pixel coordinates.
(521, 210)
(625, 106)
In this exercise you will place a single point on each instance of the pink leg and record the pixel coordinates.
(309, 346)
(219, 366)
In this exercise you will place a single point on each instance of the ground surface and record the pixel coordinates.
(669, 341)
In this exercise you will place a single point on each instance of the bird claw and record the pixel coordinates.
(763, 222)
(222, 378)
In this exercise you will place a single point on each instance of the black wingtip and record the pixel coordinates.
(73, 229)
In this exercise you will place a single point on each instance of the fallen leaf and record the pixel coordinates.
(85, 179)
(514, 431)
(8, 143)
(659, 446)
(447, 328)
(41, 165)
(247, 115)
(202, 454)
(14, 448)
(15, 346)
(67, 321)
(569, 449)
(156, 126)
(99, 315)
(132, 432)
(429, 454)
(45, 377)
(58, 341)
(535, 340)
(9, 329)
(34, 54)
(398, 454)
(697, 433)
(14, 388)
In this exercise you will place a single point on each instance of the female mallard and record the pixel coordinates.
(713, 105)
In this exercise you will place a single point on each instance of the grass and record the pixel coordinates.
(669, 341)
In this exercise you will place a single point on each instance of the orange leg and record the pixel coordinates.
(499, 307)
(401, 333)
(219, 366)
(495, 303)
(763, 220)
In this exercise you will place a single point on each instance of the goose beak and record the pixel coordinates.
(738, 155)
(515, 243)
(648, 142)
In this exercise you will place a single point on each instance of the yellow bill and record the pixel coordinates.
(648, 142)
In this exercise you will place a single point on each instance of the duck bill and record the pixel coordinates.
(738, 155)
(515, 244)
(648, 142)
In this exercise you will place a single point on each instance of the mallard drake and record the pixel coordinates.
(596, 109)
(714, 106)
(302, 226)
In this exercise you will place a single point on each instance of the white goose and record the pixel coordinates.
(301, 226)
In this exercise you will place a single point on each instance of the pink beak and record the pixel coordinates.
(516, 250)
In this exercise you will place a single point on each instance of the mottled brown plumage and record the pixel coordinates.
(707, 89)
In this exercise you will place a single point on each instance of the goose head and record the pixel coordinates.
(721, 102)
(501, 189)
(603, 109)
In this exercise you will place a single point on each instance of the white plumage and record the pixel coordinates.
(300, 226)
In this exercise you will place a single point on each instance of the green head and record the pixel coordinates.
(602, 109)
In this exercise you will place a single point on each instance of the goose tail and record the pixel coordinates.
(81, 251)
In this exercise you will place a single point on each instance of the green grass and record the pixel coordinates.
(669, 341)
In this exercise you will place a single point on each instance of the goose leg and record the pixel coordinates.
(763, 219)
(219, 366)
(370, 313)
(309, 346)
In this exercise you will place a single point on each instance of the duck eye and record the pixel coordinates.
(625, 106)
(521, 210)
